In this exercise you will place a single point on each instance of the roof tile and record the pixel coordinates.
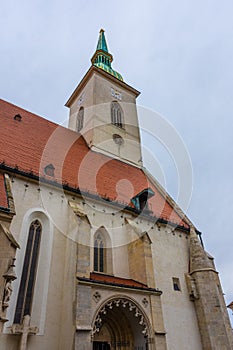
(34, 142)
(116, 280)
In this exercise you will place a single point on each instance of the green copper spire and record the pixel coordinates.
(102, 45)
(102, 58)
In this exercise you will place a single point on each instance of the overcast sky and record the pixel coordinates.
(179, 54)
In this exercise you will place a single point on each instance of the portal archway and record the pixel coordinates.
(120, 324)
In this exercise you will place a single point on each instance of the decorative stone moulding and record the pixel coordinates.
(97, 296)
(121, 302)
(145, 302)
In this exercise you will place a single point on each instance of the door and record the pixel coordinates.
(97, 345)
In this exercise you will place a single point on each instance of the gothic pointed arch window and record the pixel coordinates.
(80, 119)
(102, 252)
(99, 253)
(26, 288)
(117, 117)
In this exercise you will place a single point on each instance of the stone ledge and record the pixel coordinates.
(83, 328)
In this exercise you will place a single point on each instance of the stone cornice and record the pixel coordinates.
(106, 75)
(203, 270)
(114, 286)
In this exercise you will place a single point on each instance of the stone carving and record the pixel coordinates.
(9, 277)
(7, 294)
(24, 330)
(97, 296)
(145, 302)
(4, 303)
(125, 304)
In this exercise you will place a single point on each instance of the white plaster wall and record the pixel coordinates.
(54, 292)
(170, 257)
(26, 214)
(113, 221)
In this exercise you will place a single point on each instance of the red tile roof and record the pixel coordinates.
(34, 142)
(3, 194)
(116, 280)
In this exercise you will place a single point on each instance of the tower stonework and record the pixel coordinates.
(206, 292)
(110, 120)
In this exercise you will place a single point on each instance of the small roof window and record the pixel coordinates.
(140, 201)
(18, 117)
(49, 170)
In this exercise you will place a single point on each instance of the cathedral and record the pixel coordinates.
(95, 255)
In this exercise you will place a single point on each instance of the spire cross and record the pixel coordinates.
(24, 330)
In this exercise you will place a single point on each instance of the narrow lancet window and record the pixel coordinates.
(25, 295)
(99, 256)
(80, 119)
(117, 115)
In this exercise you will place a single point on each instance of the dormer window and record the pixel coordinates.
(140, 201)
(49, 170)
(80, 119)
(18, 117)
(117, 115)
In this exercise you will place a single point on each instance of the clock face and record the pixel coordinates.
(116, 94)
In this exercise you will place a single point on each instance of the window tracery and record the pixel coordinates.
(99, 254)
(117, 115)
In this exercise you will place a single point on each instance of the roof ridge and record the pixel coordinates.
(32, 113)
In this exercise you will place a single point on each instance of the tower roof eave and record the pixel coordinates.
(87, 76)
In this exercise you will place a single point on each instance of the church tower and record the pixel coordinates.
(103, 109)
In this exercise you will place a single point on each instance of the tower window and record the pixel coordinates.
(99, 254)
(25, 296)
(116, 115)
(176, 284)
(80, 119)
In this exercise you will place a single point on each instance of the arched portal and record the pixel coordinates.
(120, 325)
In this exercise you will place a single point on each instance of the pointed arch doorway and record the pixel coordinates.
(120, 325)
